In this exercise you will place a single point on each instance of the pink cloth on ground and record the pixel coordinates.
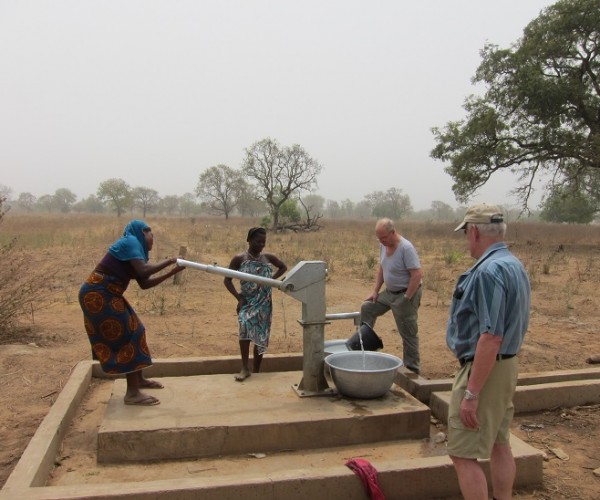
(368, 475)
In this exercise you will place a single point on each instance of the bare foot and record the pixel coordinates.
(147, 383)
(141, 400)
(243, 375)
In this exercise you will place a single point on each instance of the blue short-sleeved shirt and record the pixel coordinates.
(494, 297)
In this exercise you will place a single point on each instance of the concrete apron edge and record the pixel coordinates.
(36, 462)
(391, 475)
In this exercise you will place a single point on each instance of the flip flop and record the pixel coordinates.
(151, 384)
(145, 401)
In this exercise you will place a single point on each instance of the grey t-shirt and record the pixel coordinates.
(395, 267)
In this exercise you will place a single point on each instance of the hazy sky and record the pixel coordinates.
(156, 91)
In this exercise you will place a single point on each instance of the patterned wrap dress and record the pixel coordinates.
(116, 334)
(255, 315)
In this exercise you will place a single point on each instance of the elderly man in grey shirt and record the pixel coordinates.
(401, 272)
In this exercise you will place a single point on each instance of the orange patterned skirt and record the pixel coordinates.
(115, 332)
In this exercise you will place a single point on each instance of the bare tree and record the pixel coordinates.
(312, 206)
(280, 172)
(145, 198)
(220, 188)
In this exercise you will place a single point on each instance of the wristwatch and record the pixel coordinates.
(470, 396)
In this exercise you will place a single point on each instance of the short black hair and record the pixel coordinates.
(255, 230)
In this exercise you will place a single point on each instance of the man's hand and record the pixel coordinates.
(468, 413)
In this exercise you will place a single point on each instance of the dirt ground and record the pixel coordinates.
(197, 318)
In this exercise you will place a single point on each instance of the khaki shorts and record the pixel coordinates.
(494, 413)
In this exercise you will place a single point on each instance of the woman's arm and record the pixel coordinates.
(235, 264)
(143, 272)
(281, 267)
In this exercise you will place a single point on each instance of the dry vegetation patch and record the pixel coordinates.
(197, 317)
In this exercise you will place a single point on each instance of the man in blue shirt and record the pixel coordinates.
(489, 316)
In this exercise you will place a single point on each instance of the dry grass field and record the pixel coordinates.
(197, 316)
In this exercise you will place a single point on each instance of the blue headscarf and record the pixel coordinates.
(132, 245)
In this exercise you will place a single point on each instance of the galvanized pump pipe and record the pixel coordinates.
(230, 273)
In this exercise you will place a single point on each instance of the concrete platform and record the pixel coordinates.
(407, 468)
(208, 415)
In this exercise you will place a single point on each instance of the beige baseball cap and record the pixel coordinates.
(482, 214)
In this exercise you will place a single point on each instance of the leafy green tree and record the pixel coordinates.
(45, 203)
(188, 205)
(391, 203)
(289, 212)
(332, 209)
(279, 173)
(91, 205)
(145, 198)
(26, 201)
(441, 211)
(564, 204)
(170, 204)
(64, 199)
(220, 187)
(363, 209)
(540, 113)
(347, 207)
(115, 192)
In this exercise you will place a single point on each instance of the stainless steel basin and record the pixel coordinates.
(363, 375)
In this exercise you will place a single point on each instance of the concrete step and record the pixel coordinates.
(422, 388)
(208, 415)
(529, 398)
(406, 469)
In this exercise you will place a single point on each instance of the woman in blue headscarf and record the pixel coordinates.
(115, 332)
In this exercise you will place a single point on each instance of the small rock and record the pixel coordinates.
(545, 457)
(433, 420)
(559, 453)
(440, 437)
(597, 472)
(257, 455)
(526, 427)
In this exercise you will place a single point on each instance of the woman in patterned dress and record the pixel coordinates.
(115, 332)
(254, 307)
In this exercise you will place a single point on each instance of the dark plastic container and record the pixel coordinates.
(370, 340)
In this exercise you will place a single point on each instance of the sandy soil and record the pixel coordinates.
(197, 318)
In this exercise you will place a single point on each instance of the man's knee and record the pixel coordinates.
(461, 463)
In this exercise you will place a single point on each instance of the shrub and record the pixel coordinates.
(20, 286)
